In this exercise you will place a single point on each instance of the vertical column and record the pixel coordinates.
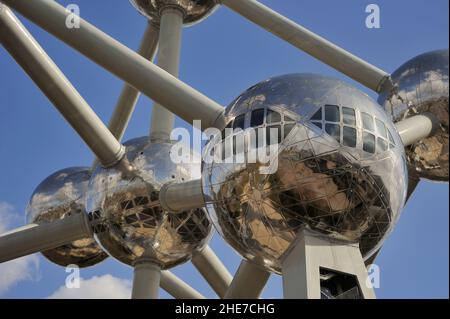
(169, 60)
(147, 276)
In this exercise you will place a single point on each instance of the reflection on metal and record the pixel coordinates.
(61, 195)
(132, 224)
(353, 193)
(194, 10)
(422, 87)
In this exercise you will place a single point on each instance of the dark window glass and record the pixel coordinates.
(225, 131)
(257, 118)
(367, 122)
(334, 130)
(318, 124)
(270, 134)
(287, 129)
(332, 113)
(349, 116)
(238, 144)
(349, 136)
(381, 128)
(273, 117)
(369, 143)
(382, 144)
(239, 122)
(317, 116)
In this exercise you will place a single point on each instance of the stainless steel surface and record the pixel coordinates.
(213, 270)
(61, 195)
(193, 10)
(128, 65)
(341, 170)
(34, 238)
(248, 282)
(162, 120)
(146, 279)
(177, 288)
(52, 82)
(421, 87)
(127, 205)
(320, 48)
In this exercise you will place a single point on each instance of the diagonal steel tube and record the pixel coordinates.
(311, 43)
(177, 288)
(129, 96)
(248, 282)
(48, 77)
(143, 75)
(34, 238)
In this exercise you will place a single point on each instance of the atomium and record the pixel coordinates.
(131, 223)
(422, 87)
(341, 169)
(194, 10)
(58, 196)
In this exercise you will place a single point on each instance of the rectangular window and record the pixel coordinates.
(367, 122)
(382, 144)
(369, 143)
(273, 117)
(334, 130)
(381, 128)
(332, 113)
(349, 136)
(273, 134)
(316, 117)
(287, 129)
(257, 118)
(349, 116)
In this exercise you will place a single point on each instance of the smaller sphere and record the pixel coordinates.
(133, 225)
(194, 10)
(60, 195)
(422, 87)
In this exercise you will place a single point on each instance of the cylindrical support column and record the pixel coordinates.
(213, 270)
(320, 48)
(169, 60)
(42, 70)
(146, 280)
(177, 288)
(34, 238)
(416, 128)
(128, 65)
(248, 282)
(178, 197)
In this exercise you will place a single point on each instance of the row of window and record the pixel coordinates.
(341, 123)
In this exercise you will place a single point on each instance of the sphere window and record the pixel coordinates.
(317, 116)
(271, 138)
(273, 117)
(382, 144)
(368, 122)
(349, 136)
(288, 128)
(334, 130)
(239, 122)
(349, 116)
(369, 143)
(257, 118)
(332, 113)
(381, 128)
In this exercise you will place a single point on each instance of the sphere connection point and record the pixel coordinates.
(340, 169)
(194, 10)
(422, 87)
(60, 195)
(132, 224)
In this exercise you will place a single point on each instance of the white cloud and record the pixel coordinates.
(103, 287)
(21, 269)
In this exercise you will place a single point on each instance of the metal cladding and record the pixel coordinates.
(340, 169)
(194, 10)
(131, 225)
(422, 88)
(58, 196)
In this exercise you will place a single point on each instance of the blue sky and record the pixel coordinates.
(221, 57)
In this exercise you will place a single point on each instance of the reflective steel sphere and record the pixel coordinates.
(194, 10)
(422, 87)
(339, 169)
(132, 224)
(60, 195)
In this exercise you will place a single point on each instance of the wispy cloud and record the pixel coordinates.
(18, 270)
(97, 287)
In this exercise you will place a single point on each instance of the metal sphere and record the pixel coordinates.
(133, 225)
(422, 87)
(340, 169)
(194, 10)
(60, 195)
